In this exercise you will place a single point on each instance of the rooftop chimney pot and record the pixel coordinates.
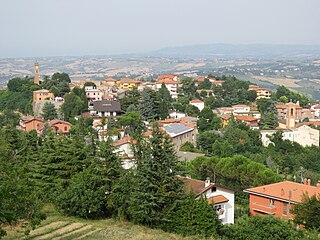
(207, 182)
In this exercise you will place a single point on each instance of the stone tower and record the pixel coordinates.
(291, 115)
(36, 74)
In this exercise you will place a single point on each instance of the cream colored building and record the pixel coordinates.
(304, 135)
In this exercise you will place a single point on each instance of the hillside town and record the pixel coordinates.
(211, 125)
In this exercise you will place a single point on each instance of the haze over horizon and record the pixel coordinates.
(36, 28)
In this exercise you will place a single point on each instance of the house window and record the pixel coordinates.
(219, 208)
(65, 128)
(285, 208)
(291, 112)
(271, 203)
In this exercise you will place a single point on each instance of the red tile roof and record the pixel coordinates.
(246, 118)
(123, 141)
(201, 79)
(283, 190)
(167, 81)
(196, 101)
(128, 80)
(57, 121)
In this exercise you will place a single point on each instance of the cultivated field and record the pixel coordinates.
(58, 227)
(287, 82)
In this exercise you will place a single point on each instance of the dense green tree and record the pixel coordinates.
(188, 87)
(132, 122)
(9, 118)
(131, 98)
(237, 171)
(58, 160)
(149, 104)
(58, 84)
(194, 217)
(261, 228)
(88, 194)
(222, 149)
(283, 93)
(192, 111)
(61, 77)
(205, 141)
(164, 101)
(187, 147)
(87, 84)
(206, 84)
(307, 213)
(73, 105)
(49, 111)
(252, 95)
(155, 187)
(18, 200)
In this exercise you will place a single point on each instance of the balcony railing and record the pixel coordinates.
(264, 209)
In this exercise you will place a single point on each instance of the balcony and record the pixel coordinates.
(271, 210)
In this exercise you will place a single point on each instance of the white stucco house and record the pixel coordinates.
(220, 197)
(197, 103)
(171, 81)
(241, 109)
(93, 94)
(304, 135)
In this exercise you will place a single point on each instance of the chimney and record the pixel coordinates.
(282, 192)
(318, 184)
(309, 182)
(305, 181)
(207, 182)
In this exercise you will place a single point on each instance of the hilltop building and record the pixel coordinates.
(42, 94)
(261, 92)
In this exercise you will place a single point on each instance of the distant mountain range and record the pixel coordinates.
(236, 51)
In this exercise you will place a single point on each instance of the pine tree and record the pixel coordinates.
(89, 192)
(148, 104)
(156, 188)
(49, 111)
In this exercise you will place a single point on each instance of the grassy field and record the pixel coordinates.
(57, 227)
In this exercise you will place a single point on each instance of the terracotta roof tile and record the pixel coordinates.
(128, 80)
(282, 190)
(196, 101)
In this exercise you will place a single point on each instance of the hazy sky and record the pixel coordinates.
(85, 27)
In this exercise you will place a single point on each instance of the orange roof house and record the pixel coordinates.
(29, 123)
(277, 199)
(59, 126)
(171, 81)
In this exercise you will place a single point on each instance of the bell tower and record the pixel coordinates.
(36, 73)
(291, 115)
